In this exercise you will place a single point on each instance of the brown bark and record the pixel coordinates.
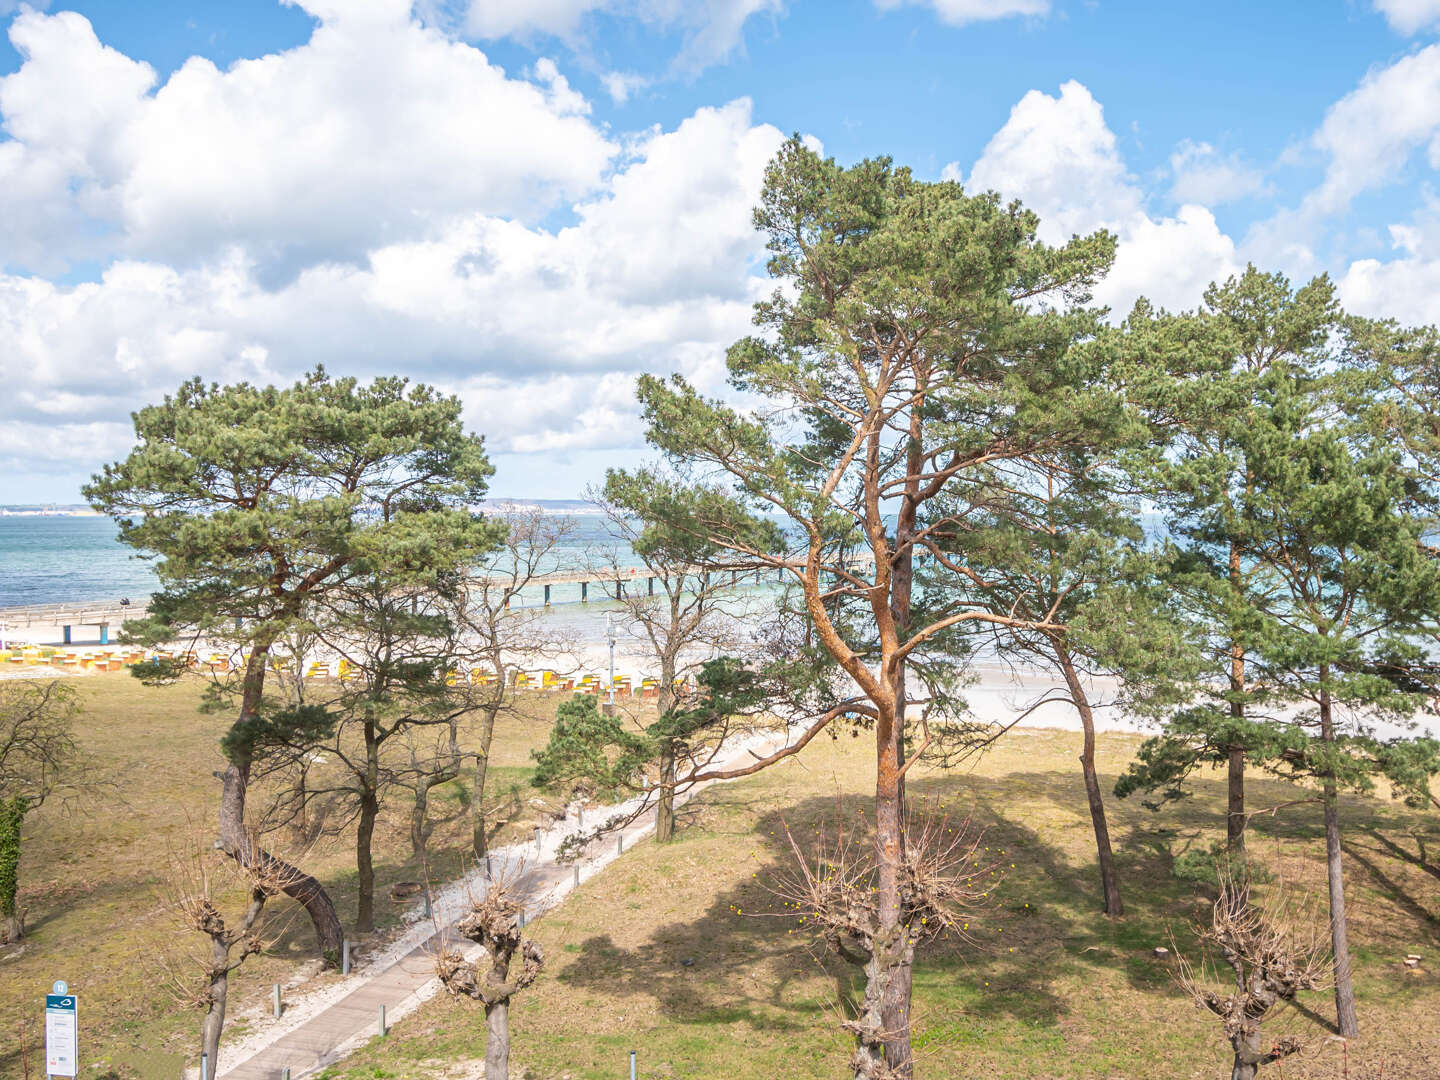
(218, 988)
(1345, 1017)
(1235, 820)
(892, 961)
(479, 842)
(1109, 879)
(365, 863)
(235, 841)
(665, 801)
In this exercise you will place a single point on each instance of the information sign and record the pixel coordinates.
(61, 1058)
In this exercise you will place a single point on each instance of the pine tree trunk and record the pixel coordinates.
(1346, 1019)
(300, 887)
(418, 814)
(497, 1041)
(364, 863)
(1235, 818)
(1235, 812)
(665, 803)
(894, 961)
(1109, 878)
(235, 841)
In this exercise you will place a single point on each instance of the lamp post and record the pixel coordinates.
(610, 637)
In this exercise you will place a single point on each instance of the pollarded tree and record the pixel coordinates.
(1197, 374)
(1273, 954)
(253, 502)
(38, 754)
(1345, 584)
(919, 335)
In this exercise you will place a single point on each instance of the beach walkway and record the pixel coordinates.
(404, 978)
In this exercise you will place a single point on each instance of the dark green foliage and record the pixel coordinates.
(589, 751)
(254, 502)
(12, 816)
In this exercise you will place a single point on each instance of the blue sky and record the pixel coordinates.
(530, 203)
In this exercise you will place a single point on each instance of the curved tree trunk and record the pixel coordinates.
(235, 841)
(1109, 879)
(299, 886)
(1345, 1016)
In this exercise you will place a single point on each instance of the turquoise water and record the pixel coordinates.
(60, 560)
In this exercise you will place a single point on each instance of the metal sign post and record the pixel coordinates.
(61, 1033)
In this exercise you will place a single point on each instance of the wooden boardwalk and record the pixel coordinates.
(400, 987)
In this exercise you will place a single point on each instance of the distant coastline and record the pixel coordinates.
(492, 506)
(57, 510)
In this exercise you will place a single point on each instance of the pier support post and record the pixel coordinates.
(66, 631)
(104, 633)
(584, 592)
(652, 586)
(547, 595)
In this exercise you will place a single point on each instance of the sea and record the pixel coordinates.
(75, 558)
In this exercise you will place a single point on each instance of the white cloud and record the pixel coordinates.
(622, 86)
(375, 129)
(959, 12)
(712, 29)
(1371, 133)
(1409, 16)
(542, 332)
(1203, 175)
(1059, 157)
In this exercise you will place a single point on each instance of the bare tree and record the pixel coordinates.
(831, 892)
(1274, 950)
(692, 619)
(495, 924)
(503, 636)
(199, 884)
(37, 757)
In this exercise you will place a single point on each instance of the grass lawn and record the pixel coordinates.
(1053, 990)
(95, 882)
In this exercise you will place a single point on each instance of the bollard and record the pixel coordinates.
(345, 957)
(633, 1074)
(278, 1006)
(204, 1067)
(577, 875)
(620, 843)
(580, 817)
(427, 903)
(522, 918)
(285, 1073)
(538, 841)
(382, 1021)
(487, 865)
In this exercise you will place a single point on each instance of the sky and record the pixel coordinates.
(530, 202)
